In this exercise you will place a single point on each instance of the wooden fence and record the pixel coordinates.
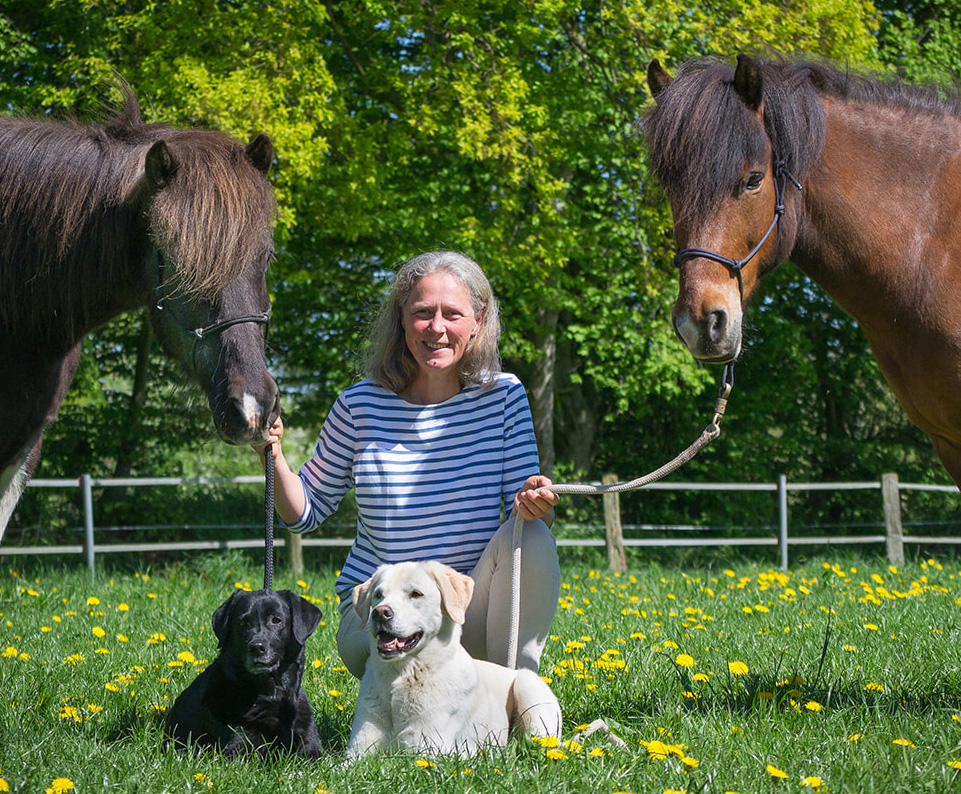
(889, 486)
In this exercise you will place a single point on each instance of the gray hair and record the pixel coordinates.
(388, 361)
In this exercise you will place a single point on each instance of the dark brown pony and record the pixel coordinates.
(877, 222)
(97, 220)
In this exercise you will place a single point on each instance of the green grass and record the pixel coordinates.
(853, 683)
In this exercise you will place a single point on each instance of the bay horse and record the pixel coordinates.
(855, 178)
(96, 220)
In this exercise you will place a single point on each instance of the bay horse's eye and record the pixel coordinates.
(754, 181)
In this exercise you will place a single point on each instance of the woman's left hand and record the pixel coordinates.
(534, 503)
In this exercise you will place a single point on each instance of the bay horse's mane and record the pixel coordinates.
(73, 196)
(701, 134)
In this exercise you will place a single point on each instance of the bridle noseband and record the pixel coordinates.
(260, 318)
(781, 175)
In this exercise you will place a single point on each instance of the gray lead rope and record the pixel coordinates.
(711, 432)
(269, 518)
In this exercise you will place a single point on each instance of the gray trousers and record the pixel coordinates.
(487, 626)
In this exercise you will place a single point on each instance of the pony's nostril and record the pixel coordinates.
(716, 325)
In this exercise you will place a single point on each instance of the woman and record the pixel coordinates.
(435, 442)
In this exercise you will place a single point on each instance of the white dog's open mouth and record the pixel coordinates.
(389, 645)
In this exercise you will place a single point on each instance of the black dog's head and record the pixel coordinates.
(263, 629)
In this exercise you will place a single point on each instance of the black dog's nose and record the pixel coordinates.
(383, 612)
(257, 647)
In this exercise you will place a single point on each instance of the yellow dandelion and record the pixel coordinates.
(871, 626)
(61, 785)
(423, 763)
(123, 608)
(684, 660)
(701, 678)
(954, 763)
(774, 772)
(186, 656)
(93, 601)
(904, 743)
(737, 668)
(555, 754)
(871, 686)
(4, 786)
(98, 632)
(813, 705)
(70, 713)
(812, 781)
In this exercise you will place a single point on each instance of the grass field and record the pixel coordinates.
(842, 675)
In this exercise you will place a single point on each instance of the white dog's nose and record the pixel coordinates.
(383, 613)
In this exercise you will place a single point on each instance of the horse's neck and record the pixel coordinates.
(873, 203)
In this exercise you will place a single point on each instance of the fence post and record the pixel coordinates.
(612, 527)
(88, 520)
(295, 550)
(893, 530)
(782, 513)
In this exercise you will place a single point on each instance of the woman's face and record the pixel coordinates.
(439, 322)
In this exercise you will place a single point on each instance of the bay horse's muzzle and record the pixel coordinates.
(713, 335)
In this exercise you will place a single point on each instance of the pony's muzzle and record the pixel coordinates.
(712, 337)
(247, 416)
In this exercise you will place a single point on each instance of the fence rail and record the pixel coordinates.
(889, 485)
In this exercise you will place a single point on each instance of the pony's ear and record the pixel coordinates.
(161, 165)
(456, 590)
(657, 78)
(747, 82)
(260, 151)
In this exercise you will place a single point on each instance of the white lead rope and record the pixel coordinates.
(711, 432)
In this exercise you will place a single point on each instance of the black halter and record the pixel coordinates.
(781, 175)
(261, 318)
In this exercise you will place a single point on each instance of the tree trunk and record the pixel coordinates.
(130, 432)
(541, 388)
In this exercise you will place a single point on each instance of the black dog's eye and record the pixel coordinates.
(416, 594)
(276, 620)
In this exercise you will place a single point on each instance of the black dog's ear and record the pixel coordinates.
(221, 618)
(304, 616)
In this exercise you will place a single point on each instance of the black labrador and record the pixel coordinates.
(250, 697)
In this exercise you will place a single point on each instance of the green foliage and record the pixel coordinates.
(508, 130)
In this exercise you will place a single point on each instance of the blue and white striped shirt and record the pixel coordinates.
(430, 480)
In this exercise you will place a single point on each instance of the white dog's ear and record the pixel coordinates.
(362, 601)
(456, 590)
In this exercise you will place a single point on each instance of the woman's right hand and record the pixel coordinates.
(274, 435)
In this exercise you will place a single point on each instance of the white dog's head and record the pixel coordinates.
(406, 603)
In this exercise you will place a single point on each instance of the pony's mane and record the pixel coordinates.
(700, 132)
(73, 197)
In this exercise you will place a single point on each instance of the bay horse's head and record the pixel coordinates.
(210, 211)
(714, 152)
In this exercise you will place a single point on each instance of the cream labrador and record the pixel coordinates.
(421, 690)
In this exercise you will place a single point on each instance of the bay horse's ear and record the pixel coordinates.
(260, 151)
(747, 82)
(160, 165)
(657, 78)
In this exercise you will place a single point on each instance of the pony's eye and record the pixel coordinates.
(754, 181)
